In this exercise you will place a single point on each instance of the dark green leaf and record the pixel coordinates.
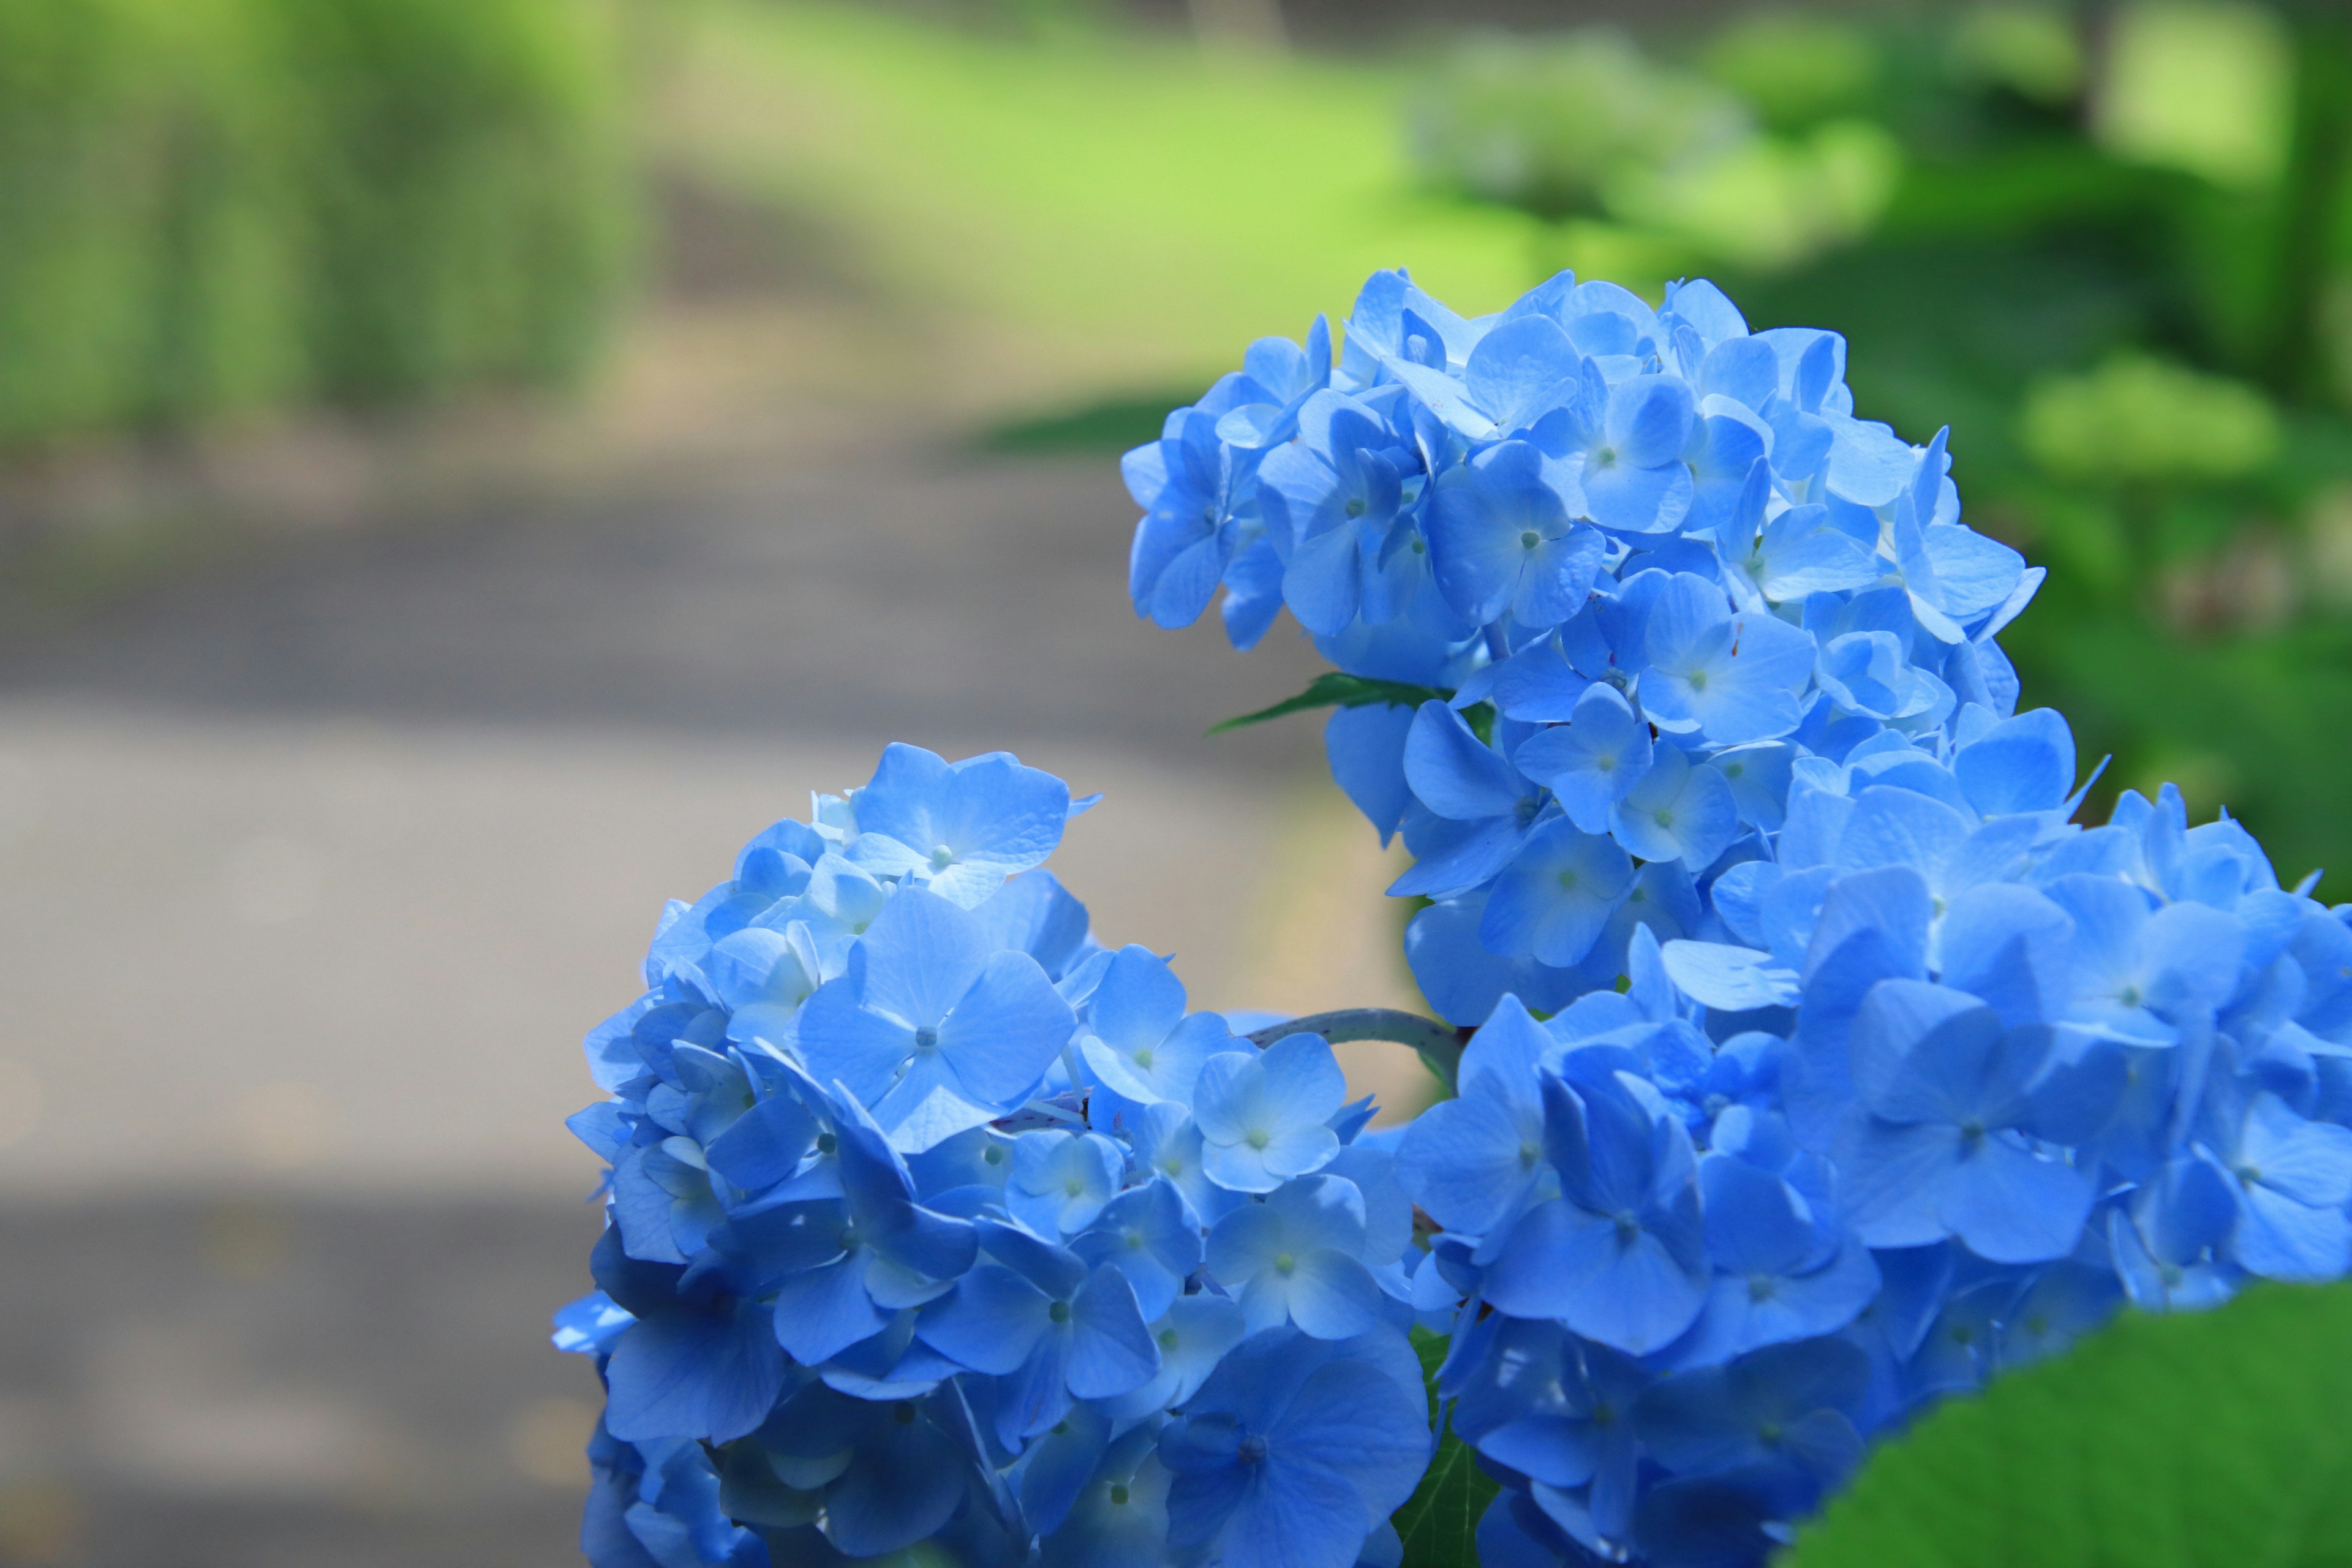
(1439, 1523)
(1333, 690)
(2212, 1440)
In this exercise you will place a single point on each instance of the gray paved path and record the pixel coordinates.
(314, 865)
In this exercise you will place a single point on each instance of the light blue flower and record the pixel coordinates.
(1034, 1316)
(1618, 1257)
(1732, 676)
(1185, 482)
(1591, 761)
(1265, 1116)
(1472, 1161)
(1137, 1038)
(1195, 1336)
(929, 1027)
(1331, 500)
(1148, 1234)
(1293, 1451)
(1678, 811)
(1503, 538)
(1296, 1257)
(1167, 1144)
(1480, 806)
(960, 829)
(1783, 1271)
(1561, 1411)
(1556, 896)
(1061, 1181)
(1954, 1102)
(1627, 447)
(1120, 1519)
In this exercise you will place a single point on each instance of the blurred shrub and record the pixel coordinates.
(213, 203)
(1795, 69)
(1752, 161)
(1545, 124)
(2139, 419)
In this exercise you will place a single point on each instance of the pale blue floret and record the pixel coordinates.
(1557, 895)
(931, 1029)
(1502, 540)
(1293, 1450)
(1137, 1041)
(1678, 811)
(1061, 1181)
(1147, 1234)
(1731, 676)
(1265, 1116)
(1593, 760)
(1479, 806)
(958, 829)
(1332, 500)
(1298, 1257)
(1618, 1256)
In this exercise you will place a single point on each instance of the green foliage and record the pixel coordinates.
(1333, 690)
(2214, 1440)
(1439, 1523)
(2137, 417)
(1105, 424)
(1546, 126)
(213, 203)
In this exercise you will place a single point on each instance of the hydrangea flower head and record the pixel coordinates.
(932, 1222)
(1818, 1064)
(1823, 1064)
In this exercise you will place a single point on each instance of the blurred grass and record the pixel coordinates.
(1132, 209)
(207, 205)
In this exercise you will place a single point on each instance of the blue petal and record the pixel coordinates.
(1111, 1351)
(991, 1323)
(693, 1373)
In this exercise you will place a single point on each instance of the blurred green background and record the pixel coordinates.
(465, 463)
(2108, 244)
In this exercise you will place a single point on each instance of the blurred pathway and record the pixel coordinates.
(316, 862)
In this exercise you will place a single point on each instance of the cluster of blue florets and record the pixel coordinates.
(1823, 1066)
(1861, 1070)
(1641, 561)
(933, 1220)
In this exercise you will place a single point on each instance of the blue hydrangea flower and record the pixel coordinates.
(930, 1027)
(911, 1208)
(1293, 1451)
(1298, 1257)
(1265, 1117)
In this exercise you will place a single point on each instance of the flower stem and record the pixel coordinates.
(1439, 1045)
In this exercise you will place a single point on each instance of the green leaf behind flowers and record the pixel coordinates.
(2207, 1440)
(1439, 1523)
(1335, 690)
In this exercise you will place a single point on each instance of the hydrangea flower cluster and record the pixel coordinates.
(1822, 1064)
(1640, 560)
(932, 1220)
(1826, 1066)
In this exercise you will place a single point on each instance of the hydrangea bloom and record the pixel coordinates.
(1823, 1065)
(932, 1220)
(1818, 1063)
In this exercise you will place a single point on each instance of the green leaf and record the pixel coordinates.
(1334, 690)
(2212, 1440)
(1439, 1523)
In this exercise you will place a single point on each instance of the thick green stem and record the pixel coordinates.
(1439, 1045)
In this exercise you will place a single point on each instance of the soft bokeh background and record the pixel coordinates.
(465, 465)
